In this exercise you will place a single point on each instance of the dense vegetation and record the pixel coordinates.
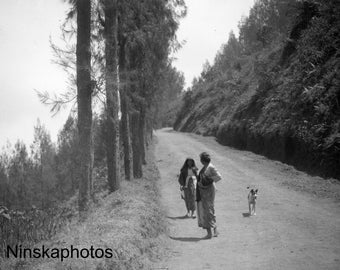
(275, 90)
(120, 76)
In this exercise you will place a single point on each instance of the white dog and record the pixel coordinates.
(252, 197)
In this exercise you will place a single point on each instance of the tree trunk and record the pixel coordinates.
(149, 131)
(84, 92)
(91, 166)
(141, 133)
(126, 137)
(41, 182)
(112, 94)
(125, 112)
(136, 146)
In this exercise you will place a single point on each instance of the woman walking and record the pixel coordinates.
(205, 196)
(188, 180)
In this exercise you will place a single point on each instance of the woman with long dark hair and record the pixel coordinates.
(187, 180)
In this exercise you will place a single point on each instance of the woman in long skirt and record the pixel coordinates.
(205, 197)
(188, 180)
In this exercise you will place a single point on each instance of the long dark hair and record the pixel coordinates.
(186, 166)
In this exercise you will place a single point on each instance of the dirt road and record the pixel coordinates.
(292, 229)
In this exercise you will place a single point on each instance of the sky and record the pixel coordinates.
(205, 29)
(25, 29)
(26, 56)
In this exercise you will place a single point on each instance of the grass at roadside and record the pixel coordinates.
(130, 222)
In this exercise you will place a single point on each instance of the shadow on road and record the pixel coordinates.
(245, 214)
(187, 239)
(179, 217)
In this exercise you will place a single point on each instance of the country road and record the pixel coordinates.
(292, 229)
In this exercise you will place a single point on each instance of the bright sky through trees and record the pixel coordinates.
(205, 29)
(25, 28)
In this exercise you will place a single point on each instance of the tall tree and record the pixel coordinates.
(18, 173)
(4, 185)
(151, 38)
(84, 98)
(112, 92)
(43, 157)
(126, 137)
(136, 145)
(67, 159)
(171, 85)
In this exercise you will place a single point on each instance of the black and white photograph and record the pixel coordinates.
(170, 134)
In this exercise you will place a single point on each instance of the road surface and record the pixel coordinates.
(292, 229)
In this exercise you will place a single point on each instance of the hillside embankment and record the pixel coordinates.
(281, 101)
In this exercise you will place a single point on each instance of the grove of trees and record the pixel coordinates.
(117, 57)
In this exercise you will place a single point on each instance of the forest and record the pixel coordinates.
(117, 58)
(274, 89)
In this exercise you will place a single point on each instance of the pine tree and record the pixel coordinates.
(112, 92)
(84, 99)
